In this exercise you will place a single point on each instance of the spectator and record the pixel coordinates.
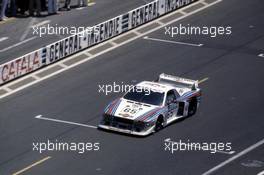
(82, 3)
(23, 6)
(52, 7)
(44, 5)
(13, 7)
(3, 10)
(67, 4)
(34, 5)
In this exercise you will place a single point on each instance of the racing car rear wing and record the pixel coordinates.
(178, 80)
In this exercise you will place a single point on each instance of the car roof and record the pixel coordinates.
(155, 86)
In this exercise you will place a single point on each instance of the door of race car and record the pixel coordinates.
(171, 104)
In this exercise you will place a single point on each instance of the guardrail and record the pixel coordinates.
(83, 40)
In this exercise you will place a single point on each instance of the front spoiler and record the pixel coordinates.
(143, 133)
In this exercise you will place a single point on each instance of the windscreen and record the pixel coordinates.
(150, 97)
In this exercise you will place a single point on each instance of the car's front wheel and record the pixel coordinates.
(159, 123)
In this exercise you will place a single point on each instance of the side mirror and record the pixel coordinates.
(168, 102)
(193, 87)
(171, 101)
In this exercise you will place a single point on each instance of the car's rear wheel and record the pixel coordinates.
(159, 123)
(192, 107)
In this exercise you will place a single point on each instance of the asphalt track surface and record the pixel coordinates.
(231, 109)
(20, 30)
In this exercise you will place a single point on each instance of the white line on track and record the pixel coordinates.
(174, 42)
(31, 26)
(41, 23)
(80, 8)
(225, 152)
(17, 44)
(26, 32)
(105, 51)
(7, 89)
(32, 165)
(245, 151)
(63, 121)
(91, 3)
(261, 55)
(146, 1)
(160, 23)
(261, 173)
(3, 39)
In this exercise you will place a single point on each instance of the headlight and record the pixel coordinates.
(139, 126)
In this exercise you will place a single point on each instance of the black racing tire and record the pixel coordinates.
(192, 107)
(159, 123)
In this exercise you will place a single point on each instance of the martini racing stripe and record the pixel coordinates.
(190, 94)
(112, 106)
(115, 107)
(193, 95)
(109, 106)
(151, 112)
(156, 115)
(186, 94)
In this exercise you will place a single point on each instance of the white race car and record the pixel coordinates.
(150, 106)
